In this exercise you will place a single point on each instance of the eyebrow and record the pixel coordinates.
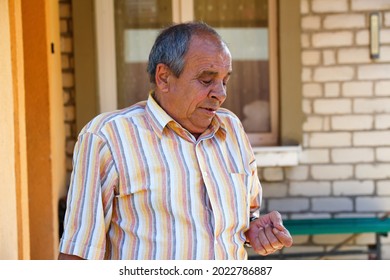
(212, 73)
(208, 73)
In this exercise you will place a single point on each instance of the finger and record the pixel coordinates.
(260, 249)
(276, 218)
(283, 236)
(252, 237)
(264, 241)
(273, 240)
(256, 243)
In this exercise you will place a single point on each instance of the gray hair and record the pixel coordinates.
(172, 44)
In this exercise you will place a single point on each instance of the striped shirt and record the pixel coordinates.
(143, 187)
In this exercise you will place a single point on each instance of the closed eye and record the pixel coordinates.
(206, 82)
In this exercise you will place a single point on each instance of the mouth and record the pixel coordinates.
(210, 110)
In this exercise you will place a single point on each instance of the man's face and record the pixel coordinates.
(193, 98)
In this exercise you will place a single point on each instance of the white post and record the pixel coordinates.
(106, 60)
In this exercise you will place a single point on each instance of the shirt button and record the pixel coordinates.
(205, 174)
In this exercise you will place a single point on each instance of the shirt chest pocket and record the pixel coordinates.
(231, 203)
(239, 189)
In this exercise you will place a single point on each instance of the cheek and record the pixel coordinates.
(195, 103)
(190, 108)
(195, 95)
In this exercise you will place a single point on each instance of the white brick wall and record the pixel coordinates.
(310, 188)
(305, 40)
(344, 21)
(304, 6)
(312, 90)
(373, 204)
(329, 6)
(373, 171)
(382, 122)
(382, 88)
(382, 154)
(364, 5)
(353, 55)
(332, 89)
(352, 155)
(374, 72)
(344, 168)
(385, 50)
(332, 106)
(384, 36)
(311, 156)
(336, 139)
(311, 22)
(332, 39)
(289, 205)
(340, 73)
(387, 19)
(352, 122)
(331, 172)
(353, 188)
(356, 89)
(383, 188)
(306, 74)
(375, 138)
(373, 105)
(311, 57)
(272, 190)
(329, 57)
(271, 174)
(362, 38)
(299, 173)
(332, 204)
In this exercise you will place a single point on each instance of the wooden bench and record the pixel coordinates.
(354, 226)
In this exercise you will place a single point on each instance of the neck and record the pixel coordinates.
(196, 135)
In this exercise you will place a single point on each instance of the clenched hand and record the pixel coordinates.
(267, 234)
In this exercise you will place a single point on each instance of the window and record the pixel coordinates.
(247, 26)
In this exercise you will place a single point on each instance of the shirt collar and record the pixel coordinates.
(159, 120)
(217, 127)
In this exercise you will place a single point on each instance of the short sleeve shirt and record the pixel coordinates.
(143, 187)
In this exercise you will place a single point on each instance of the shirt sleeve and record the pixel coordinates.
(89, 201)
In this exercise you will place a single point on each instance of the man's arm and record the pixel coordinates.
(62, 256)
(87, 194)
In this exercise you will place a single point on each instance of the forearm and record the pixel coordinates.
(63, 256)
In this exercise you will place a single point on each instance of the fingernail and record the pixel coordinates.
(275, 230)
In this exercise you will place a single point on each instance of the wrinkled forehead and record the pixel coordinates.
(208, 40)
(202, 46)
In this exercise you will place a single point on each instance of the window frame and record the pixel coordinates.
(182, 11)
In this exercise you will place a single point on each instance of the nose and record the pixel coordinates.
(218, 92)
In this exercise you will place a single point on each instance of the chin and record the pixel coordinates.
(198, 130)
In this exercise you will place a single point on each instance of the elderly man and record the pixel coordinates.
(173, 177)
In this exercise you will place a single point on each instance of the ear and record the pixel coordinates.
(162, 77)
